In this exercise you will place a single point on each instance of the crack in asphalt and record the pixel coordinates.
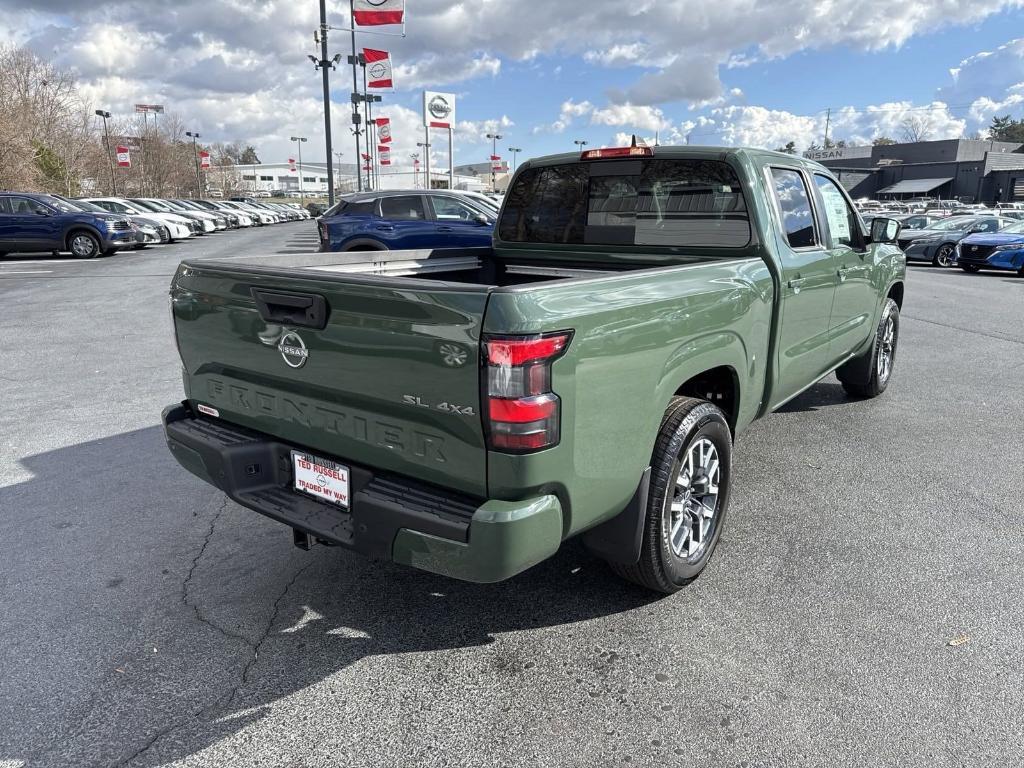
(973, 331)
(208, 711)
(191, 571)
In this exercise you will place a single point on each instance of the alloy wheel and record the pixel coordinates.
(693, 504)
(887, 349)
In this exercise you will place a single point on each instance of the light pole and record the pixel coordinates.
(494, 150)
(106, 142)
(425, 146)
(299, 140)
(325, 65)
(415, 157)
(580, 143)
(339, 156)
(195, 152)
(515, 151)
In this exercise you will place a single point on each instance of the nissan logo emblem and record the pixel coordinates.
(293, 350)
(439, 107)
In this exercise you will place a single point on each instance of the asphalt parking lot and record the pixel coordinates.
(148, 622)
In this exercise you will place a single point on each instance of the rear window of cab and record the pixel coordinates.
(652, 202)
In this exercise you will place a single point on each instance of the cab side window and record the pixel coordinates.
(795, 207)
(842, 221)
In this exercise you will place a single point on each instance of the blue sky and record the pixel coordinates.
(730, 72)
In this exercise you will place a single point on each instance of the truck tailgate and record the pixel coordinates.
(389, 380)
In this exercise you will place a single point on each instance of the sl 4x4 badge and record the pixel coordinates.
(446, 407)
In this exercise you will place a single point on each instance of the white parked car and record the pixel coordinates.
(180, 227)
(162, 206)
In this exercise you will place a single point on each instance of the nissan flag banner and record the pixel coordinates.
(384, 155)
(373, 13)
(204, 160)
(438, 110)
(378, 69)
(383, 129)
(124, 157)
(291, 164)
(496, 164)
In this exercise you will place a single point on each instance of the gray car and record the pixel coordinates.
(937, 243)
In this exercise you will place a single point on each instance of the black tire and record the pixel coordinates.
(944, 255)
(970, 268)
(83, 244)
(687, 424)
(867, 375)
(110, 251)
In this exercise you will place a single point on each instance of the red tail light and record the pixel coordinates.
(604, 154)
(523, 412)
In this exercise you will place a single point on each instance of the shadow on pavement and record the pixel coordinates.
(822, 395)
(308, 615)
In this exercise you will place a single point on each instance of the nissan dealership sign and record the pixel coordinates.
(438, 109)
(838, 153)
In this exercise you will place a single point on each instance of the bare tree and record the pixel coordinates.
(915, 128)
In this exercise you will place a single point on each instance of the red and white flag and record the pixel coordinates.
(378, 69)
(124, 157)
(291, 164)
(384, 155)
(372, 13)
(204, 160)
(496, 163)
(383, 129)
(366, 157)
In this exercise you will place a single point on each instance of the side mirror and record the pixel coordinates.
(41, 211)
(481, 219)
(884, 230)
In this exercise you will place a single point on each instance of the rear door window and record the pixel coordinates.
(450, 209)
(671, 203)
(402, 208)
(794, 207)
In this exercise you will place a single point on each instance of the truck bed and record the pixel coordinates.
(462, 266)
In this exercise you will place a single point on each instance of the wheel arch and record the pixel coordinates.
(720, 386)
(895, 293)
(364, 244)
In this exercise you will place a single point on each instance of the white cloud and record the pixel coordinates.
(643, 117)
(618, 55)
(569, 111)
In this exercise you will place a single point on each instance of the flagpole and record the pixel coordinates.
(370, 147)
(355, 93)
(451, 157)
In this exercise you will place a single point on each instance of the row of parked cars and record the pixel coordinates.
(968, 240)
(101, 226)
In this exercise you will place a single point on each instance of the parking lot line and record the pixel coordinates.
(26, 272)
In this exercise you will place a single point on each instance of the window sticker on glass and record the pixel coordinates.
(836, 213)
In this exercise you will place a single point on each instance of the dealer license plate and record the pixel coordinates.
(320, 478)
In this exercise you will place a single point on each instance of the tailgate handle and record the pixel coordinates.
(306, 310)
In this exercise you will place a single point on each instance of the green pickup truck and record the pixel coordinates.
(465, 411)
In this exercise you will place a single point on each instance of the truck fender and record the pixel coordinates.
(705, 353)
(619, 539)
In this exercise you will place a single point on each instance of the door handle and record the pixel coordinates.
(797, 283)
(443, 228)
(385, 228)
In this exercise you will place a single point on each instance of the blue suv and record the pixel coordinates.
(43, 223)
(404, 219)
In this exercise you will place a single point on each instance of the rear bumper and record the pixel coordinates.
(391, 517)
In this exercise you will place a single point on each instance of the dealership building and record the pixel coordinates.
(966, 169)
(281, 178)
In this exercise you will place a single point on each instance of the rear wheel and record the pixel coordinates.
(689, 494)
(869, 374)
(944, 255)
(83, 245)
(969, 268)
